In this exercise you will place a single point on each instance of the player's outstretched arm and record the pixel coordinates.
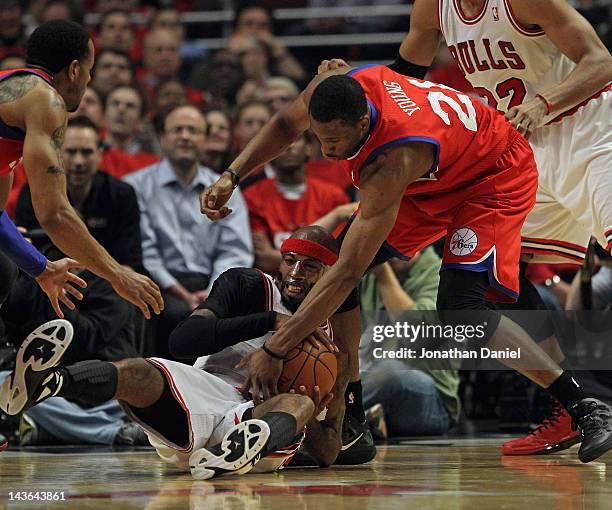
(45, 122)
(420, 45)
(383, 184)
(577, 39)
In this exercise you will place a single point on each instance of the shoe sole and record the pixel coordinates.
(204, 464)
(564, 445)
(601, 449)
(14, 391)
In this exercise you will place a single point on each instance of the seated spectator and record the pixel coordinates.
(250, 118)
(67, 10)
(168, 96)
(161, 60)
(413, 401)
(254, 20)
(279, 91)
(92, 107)
(107, 326)
(182, 249)
(254, 62)
(287, 201)
(12, 30)
(125, 120)
(169, 18)
(115, 30)
(219, 79)
(217, 152)
(107, 206)
(112, 68)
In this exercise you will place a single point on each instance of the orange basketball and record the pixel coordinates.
(308, 366)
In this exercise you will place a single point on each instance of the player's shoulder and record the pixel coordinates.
(245, 277)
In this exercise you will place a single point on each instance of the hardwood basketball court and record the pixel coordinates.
(424, 474)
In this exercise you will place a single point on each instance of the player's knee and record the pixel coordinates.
(138, 370)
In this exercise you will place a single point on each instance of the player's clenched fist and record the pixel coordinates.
(214, 198)
(330, 65)
(527, 117)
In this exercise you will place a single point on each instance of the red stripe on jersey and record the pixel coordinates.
(518, 26)
(178, 397)
(466, 19)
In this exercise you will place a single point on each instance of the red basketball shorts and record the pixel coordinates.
(482, 221)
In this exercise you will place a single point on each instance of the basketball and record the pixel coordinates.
(308, 366)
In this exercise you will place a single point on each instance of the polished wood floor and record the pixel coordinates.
(438, 474)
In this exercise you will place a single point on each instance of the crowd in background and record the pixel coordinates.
(162, 117)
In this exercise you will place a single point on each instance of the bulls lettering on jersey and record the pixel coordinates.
(506, 62)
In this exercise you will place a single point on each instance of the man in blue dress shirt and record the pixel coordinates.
(183, 250)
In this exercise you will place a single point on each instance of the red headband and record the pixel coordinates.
(309, 249)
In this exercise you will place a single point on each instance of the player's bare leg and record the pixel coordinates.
(461, 299)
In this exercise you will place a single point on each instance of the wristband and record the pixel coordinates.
(270, 353)
(406, 68)
(549, 105)
(235, 177)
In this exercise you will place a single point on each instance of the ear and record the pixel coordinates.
(74, 68)
(364, 122)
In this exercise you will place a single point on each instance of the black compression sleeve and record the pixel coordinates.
(406, 68)
(200, 336)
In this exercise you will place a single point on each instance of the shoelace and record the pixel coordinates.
(549, 422)
(592, 421)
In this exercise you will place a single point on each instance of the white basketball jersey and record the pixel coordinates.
(506, 62)
(222, 363)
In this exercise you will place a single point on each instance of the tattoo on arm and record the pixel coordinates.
(16, 87)
(57, 138)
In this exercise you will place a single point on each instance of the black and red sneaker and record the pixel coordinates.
(554, 434)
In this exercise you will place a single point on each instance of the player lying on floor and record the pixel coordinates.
(195, 416)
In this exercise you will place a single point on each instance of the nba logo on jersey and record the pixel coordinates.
(495, 13)
(463, 242)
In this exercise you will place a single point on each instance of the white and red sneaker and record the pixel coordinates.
(554, 434)
(3, 443)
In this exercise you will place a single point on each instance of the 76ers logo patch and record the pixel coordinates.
(463, 242)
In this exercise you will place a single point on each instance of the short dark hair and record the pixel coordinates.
(114, 51)
(246, 5)
(144, 103)
(108, 14)
(55, 44)
(338, 97)
(248, 104)
(82, 121)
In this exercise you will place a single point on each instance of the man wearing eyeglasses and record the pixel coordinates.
(183, 251)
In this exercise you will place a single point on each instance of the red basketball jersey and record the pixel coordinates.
(467, 135)
(277, 216)
(11, 138)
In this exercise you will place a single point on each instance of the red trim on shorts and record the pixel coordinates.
(467, 20)
(571, 111)
(178, 397)
(518, 26)
(554, 242)
(608, 233)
